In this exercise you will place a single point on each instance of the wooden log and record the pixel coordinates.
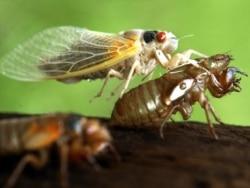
(187, 157)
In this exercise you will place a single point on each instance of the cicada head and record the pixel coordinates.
(86, 137)
(167, 41)
(225, 82)
(216, 63)
(161, 40)
(96, 136)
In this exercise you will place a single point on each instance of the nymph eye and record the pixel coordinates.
(161, 37)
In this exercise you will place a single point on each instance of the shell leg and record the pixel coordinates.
(168, 116)
(208, 109)
(216, 117)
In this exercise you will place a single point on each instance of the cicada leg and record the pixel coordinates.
(137, 69)
(134, 68)
(118, 88)
(162, 58)
(111, 73)
(114, 152)
(148, 76)
(36, 161)
(190, 52)
(64, 153)
(92, 160)
(184, 58)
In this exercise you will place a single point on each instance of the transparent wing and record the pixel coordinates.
(64, 52)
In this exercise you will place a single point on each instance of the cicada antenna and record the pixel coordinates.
(186, 36)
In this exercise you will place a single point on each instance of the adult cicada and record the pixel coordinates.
(70, 54)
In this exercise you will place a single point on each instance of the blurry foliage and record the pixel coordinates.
(218, 27)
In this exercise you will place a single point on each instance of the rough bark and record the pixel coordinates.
(186, 157)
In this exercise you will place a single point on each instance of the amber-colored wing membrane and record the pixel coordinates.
(64, 52)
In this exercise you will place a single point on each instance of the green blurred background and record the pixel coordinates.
(218, 26)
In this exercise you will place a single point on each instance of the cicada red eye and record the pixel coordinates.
(161, 36)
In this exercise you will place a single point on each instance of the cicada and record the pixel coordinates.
(77, 138)
(154, 102)
(70, 54)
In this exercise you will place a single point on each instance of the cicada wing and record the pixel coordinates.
(64, 52)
